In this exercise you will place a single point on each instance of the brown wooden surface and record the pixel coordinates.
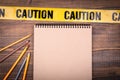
(10, 32)
(106, 37)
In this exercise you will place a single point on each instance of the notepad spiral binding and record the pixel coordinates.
(62, 26)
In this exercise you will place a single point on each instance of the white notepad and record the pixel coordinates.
(62, 52)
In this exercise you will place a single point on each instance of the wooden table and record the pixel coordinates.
(10, 32)
(106, 37)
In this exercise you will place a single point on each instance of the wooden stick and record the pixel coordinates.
(21, 68)
(26, 67)
(16, 62)
(4, 58)
(100, 49)
(4, 48)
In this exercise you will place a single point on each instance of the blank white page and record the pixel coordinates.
(62, 52)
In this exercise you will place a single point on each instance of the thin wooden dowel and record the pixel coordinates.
(12, 52)
(100, 49)
(26, 67)
(16, 62)
(20, 70)
(4, 48)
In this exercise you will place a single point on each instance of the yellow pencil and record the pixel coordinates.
(26, 67)
(16, 62)
(15, 42)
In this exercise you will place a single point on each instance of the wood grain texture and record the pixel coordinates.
(8, 34)
(106, 60)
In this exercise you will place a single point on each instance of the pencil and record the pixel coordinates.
(12, 52)
(16, 62)
(26, 67)
(4, 48)
(21, 68)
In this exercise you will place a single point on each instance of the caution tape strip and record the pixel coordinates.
(60, 14)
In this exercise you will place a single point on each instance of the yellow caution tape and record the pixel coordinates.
(60, 14)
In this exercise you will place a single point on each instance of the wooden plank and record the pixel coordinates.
(105, 62)
(10, 33)
(111, 4)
